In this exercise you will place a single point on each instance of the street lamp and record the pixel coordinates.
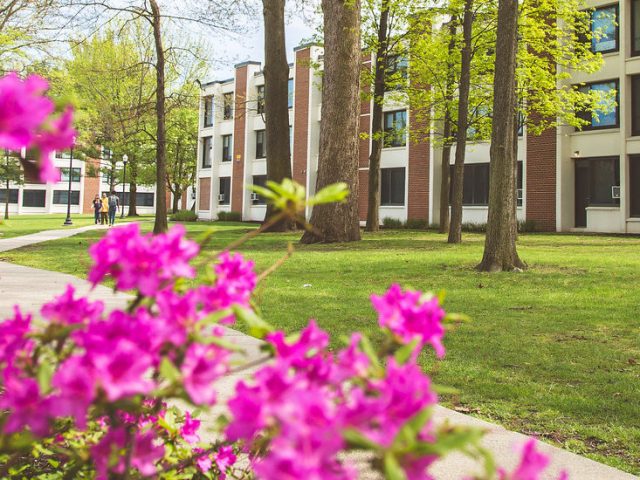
(125, 159)
(68, 220)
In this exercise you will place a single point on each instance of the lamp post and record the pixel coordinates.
(125, 158)
(68, 220)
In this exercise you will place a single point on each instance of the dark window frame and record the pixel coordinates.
(207, 152)
(260, 99)
(76, 174)
(590, 161)
(394, 67)
(259, 180)
(617, 27)
(389, 197)
(634, 193)
(635, 105)
(290, 93)
(261, 145)
(588, 115)
(27, 196)
(635, 10)
(207, 120)
(227, 101)
(227, 146)
(57, 194)
(13, 196)
(398, 137)
(226, 191)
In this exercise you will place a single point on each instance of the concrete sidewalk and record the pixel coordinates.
(12, 243)
(30, 288)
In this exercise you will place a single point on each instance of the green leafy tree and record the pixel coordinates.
(10, 173)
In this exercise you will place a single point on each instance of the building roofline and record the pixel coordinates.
(244, 64)
(304, 46)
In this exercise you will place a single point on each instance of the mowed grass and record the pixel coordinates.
(19, 225)
(553, 351)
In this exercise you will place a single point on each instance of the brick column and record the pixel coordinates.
(365, 146)
(302, 83)
(91, 182)
(540, 170)
(239, 134)
(418, 171)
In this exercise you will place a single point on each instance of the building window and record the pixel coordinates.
(606, 116)
(635, 28)
(604, 29)
(635, 105)
(391, 187)
(13, 196)
(224, 194)
(397, 66)
(60, 197)
(601, 174)
(260, 99)
(290, 93)
(228, 106)
(75, 174)
(519, 190)
(475, 188)
(261, 145)
(106, 178)
(208, 111)
(206, 152)
(634, 185)
(395, 124)
(33, 198)
(226, 148)
(259, 180)
(144, 199)
(290, 140)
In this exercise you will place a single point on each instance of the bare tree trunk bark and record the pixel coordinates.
(455, 228)
(446, 133)
(276, 95)
(339, 139)
(500, 243)
(377, 128)
(6, 203)
(160, 224)
(175, 206)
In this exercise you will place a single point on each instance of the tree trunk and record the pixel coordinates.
(160, 225)
(446, 132)
(133, 188)
(377, 128)
(339, 139)
(500, 243)
(276, 95)
(6, 203)
(455, 228)
(176, 198)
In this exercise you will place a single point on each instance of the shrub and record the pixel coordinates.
(229, 216)
(391, 223)
(184, 216)
(527, 226)
(474, 227)
(416, 224)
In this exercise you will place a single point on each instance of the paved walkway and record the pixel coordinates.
(30, 287)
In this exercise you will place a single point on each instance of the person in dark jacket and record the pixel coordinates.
(97, 206)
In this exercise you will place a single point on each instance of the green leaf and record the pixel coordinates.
(169, 371)
(456, 318)
(336, 192)
(404, 353)
(257, 326)
(44, 375)
(369, 351)
(392, 468)
(263, 192)
(457, 438)
(356, 439)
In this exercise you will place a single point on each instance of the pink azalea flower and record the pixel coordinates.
(146, 453)
(67, 310)
(23, 110)
(225, 458)
(532, 465)
(75, 381)
(21, 396)
(13, 337)
(236, 275)
(203, 364)
(409, 316)
(189, 430)
(107, 454)
(351, 362)
(58, 136)
(203, 461)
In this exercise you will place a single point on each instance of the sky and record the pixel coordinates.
(251, 47)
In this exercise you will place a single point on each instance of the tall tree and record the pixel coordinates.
(10, 173)
(455, 227)
(500, 252)
(182, 147)
(276, 109)
(339, 140)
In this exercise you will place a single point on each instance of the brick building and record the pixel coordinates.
(568, 179)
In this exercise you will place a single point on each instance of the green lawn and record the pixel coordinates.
(27, 224)
(552, 352)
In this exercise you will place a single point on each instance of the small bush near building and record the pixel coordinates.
(474, 227)
(229, 216)
(184, 216)
(416, 224)
(526, 226)
(391, 223)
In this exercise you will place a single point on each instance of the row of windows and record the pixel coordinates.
(394, 127)
(604, 27)
(143, 199)
(37, 198)
(227, 104)
(475, 184)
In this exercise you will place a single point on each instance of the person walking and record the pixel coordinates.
(114, 206)
(97, 206)
(104, 209)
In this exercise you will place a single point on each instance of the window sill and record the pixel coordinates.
(633, 220)
(598, 130)
(261, 205)
(391, 149)
(603, 208)
(392, 206)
